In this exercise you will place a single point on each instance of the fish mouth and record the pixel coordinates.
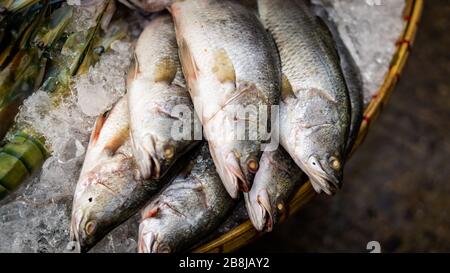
(233, 176)
(329, 184)
(76, 243)
(259, 210)
(231, 173)
(73, 247)
(146, 158)
(79, 241)
(149, 242)
(236, 174)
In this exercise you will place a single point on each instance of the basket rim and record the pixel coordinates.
(245, 233)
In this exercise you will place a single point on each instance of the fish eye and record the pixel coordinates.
(280, 206)
(90, 227)
(169, 151)
(335, 163)
(253, 165)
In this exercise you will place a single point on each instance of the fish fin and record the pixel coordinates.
(286, 89)
(235, 171)
(166, 70)
(134, 70)
(229, 181)
(99, 122)
(190, 67)
(223, 67)
(121, 135)
(150, 213)
(200, 190)
(115, 143)
(145, 157)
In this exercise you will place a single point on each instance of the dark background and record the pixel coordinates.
(397, 188)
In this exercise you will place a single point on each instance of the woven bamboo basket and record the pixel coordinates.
(245, 233)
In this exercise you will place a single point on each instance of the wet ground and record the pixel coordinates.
(397, 185)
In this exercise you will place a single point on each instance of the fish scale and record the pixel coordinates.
(315, 106)
(155, 88)
(230, 63)
(193, 205)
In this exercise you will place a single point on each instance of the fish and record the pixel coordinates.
(108, 191)
(352, 76)
(97, 173)
(159, 5)
(233, 71)
(279, 177)
(156, 89)
(276, 180)
(190, 207)
(314, 108)
(110, 132)
(147, 5)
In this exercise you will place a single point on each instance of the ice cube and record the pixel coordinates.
(99, 89)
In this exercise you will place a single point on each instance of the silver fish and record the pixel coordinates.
(352, 77)
(192, 206)
(159, 5)
(156, 91)
(314, 108)
(276, 180)
(108, 192)
(147, 5)
(110, 132)
(232, 69)
(278, 176)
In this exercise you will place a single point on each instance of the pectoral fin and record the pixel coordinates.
(166, 70)
(99, 122)
(286, 89)
(223, 67)
(190, 67)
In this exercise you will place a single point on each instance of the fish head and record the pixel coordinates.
(85, 227)
(264, 209)
(155, 236)
(321, 158)
(102, 204)
(236, 163)
(264, 202)
(259, 209)
(157, 154)
(325, 170)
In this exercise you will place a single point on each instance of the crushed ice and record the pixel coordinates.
(37, 219)
(370, 30)
(99, 89)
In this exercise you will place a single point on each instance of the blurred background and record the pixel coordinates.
(397, 185)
